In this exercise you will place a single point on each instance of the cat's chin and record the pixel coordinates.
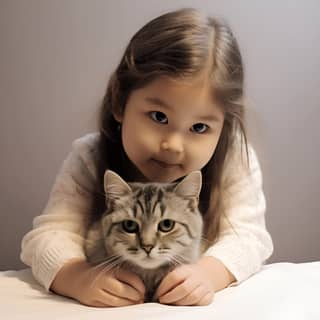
(148, 263)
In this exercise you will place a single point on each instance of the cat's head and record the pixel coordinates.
(149, 224)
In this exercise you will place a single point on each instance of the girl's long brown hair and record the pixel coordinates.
(179, 44)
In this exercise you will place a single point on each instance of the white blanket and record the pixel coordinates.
(279, 291)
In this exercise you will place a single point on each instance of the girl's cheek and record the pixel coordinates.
(152, 134)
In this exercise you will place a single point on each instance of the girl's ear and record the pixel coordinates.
(117, 115)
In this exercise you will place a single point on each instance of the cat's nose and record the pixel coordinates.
(147, 248)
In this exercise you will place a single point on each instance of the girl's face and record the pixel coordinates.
(171, 127)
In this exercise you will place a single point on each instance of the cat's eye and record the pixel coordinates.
(166, 225)
(158, 116)
(199, 128)
(130, 226)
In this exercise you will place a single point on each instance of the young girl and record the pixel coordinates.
(173, 105)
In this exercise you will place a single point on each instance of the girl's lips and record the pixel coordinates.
(164, 164)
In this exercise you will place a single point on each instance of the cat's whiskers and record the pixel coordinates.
(107, 265)
(205, 239)
(106, 269)
(107, 262)
(176, 259)
(181, 259)
(175, 262)
(205, 243)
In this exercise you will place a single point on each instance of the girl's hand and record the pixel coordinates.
(186, 285)
(95, 287)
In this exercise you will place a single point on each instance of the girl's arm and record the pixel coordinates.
(216, 273)
(244, 243)
(58, 233)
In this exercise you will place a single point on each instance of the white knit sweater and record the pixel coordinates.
(58, 233)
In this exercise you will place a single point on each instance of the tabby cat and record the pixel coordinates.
(148, 228)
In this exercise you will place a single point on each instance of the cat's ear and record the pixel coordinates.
(190, 186)
(114, 185)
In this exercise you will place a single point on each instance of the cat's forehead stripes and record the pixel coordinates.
(147, 199)
(138, 207)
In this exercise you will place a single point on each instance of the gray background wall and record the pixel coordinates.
(55, 59)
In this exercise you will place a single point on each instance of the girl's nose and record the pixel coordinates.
(172, 143)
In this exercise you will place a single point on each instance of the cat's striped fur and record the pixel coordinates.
(149, 228)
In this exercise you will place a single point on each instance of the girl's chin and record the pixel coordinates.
(151, 172)
(162, 176)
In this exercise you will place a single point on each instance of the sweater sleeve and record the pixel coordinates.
(58, 233)
(244, 243)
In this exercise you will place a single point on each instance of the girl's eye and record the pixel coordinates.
(199, 128)
(158, 116)
(130, 226)
(166, 225)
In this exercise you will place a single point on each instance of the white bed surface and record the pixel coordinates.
(279, 291)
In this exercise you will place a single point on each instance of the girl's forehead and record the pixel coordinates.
(199, 82)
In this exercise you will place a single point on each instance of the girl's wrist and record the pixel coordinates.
(62, 283)
(218, 275)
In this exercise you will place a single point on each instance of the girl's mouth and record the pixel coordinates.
(165, 164)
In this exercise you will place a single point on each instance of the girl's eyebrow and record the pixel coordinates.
(159, 102)
(210, 118)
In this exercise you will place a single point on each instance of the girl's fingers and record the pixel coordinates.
(122, 289)
(131, 279)
(193, 297)
(172, 280)
(111, 300)
(98, 304)
(179, 292)
(206, 299)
